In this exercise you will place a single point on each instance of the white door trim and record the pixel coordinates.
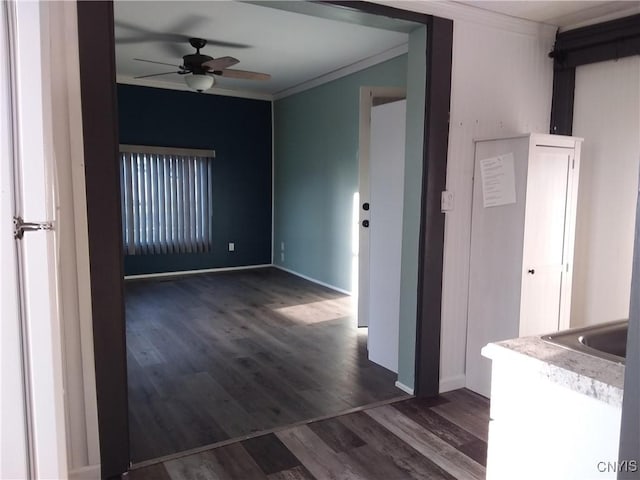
(14, 461)
(34, 185)
(75, 289)
(368, 96)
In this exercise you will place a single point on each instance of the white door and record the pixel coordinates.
(33, 423)
(544, 234)
(14, 458)
(385, 230)
(362, 198)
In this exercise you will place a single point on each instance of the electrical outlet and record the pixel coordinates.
(232, 247)
(282, 246)
(282, 256)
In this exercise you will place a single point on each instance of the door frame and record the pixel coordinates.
(96, 45)
(368, 97)
(33, 419)
(98, 86)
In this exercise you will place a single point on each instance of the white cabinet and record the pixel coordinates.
(540, 429)
(521, 245)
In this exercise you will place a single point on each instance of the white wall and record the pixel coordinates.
(607, 115)
(502, 84)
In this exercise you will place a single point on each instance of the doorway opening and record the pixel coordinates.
(111, 434)
(198, 346)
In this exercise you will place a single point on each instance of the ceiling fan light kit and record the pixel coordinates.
(199, 68)
(199, 82)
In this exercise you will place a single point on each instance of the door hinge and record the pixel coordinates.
(20, 226)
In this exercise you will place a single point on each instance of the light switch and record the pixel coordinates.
(446, 202)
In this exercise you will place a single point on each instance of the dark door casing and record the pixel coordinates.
(100, 133)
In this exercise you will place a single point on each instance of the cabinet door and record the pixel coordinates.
(544, 236)
(495, 263)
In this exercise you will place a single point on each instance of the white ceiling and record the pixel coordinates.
(292, 47)
(295, 48)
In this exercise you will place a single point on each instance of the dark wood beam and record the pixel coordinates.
(100, 133)
(592, 44)
(439, 52)
(564, 80)
(597, 43)
(599, 34)
(614, 50)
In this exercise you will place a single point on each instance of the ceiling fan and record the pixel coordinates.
(199, 68)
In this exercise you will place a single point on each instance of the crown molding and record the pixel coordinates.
(462, 12)
(145, 82)
(633, 9)
(344, 71)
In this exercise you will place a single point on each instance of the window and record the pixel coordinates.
(166, 199)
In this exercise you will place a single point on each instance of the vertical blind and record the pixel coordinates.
(166, 199)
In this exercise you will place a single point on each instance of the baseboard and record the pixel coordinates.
(452, 383)
(194, 272)
(404, 388)
(332, 287)
(89, 472)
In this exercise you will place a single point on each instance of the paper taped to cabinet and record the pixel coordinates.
(498, 180)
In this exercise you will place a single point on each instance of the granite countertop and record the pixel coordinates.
(596, 377)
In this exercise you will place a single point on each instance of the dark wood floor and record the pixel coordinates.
(443, 438)
(224, 355)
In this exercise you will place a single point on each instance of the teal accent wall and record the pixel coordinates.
(316, 172)
(416, 79)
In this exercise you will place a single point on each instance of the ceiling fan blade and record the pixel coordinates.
(155, 74)
(190, 23)
(159, 63)
(176, 48)
(220, 63)
(243, 74)
(139, 34)
(221, 43)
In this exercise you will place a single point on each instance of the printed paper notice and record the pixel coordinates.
(498, 180)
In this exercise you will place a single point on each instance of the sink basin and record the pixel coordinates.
(608, 341)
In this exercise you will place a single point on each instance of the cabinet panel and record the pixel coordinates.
(544, 234)
(520, 251)
(543, 430)
(494, 271)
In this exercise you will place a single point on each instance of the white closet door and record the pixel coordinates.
(387, 187)
(494, 270)
(544, 234)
